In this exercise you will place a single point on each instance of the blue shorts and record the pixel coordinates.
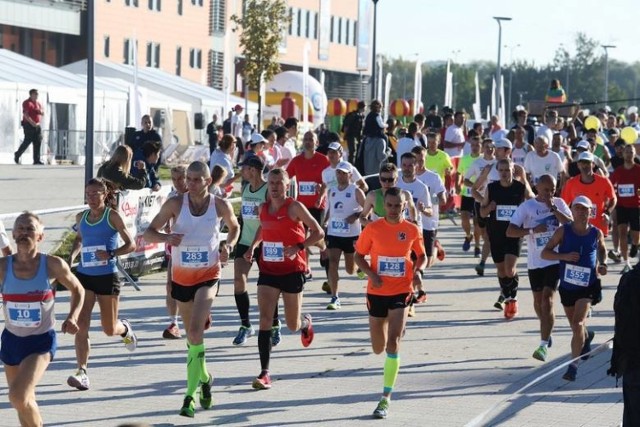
(14, 349)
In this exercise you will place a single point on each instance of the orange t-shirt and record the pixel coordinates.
(600, 191)
(390, 246)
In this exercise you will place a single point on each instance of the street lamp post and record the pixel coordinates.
(510, 79)
(373, 57)
(499, 20)
(606, 48)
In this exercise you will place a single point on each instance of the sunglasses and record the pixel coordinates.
(387, 179)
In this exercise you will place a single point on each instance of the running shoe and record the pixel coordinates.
(571, 373)
(276, 336)
(625, 269)
(326, 287)
(262, 382)
(633, 251)
(188, 407)
(412, 311)
(244, 333)
(440, 250)
(306, 333)
(480, 269)
(586, 348)
(334, 304)
(361, 274)
(205, 393)
(510, 309)
(382, 410)
(130, 340)
(172, 332)
(467, 244)
(79, 380)
(476, 252)
(499, 305)
(614, 256)
(420, 297)
(541, 353)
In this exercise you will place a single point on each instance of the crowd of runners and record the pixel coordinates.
(507, 185)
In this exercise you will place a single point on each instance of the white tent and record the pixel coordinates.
(202, 99)
(63, 96)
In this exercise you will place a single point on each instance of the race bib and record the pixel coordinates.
(273, 251)
(24, 314)
(504, 212)
(249, 210)
(307, 188)
(391, 266)
(576, 275)
(194, 257)
(625, 190)
(339, 226)
(89, 257)
(542, 239)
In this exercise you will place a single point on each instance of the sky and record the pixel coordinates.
(464, 30)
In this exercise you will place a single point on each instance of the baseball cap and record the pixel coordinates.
(582, 200)
(238, 107)
(585, 156)
(583, 144)
(344, 167)
(335, 146)
(504, 143)
(256, 138)
(253, 162)
(614, 131)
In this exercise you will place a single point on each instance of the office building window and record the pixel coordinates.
(355, 32)
(128, 51)
(153, 55)
(180, 7)
(339, 41)
(178, 61)
(294, 21)
(217, 16)
(331, 30)
(216, 69)
(155, 5)
(195, 58)
(197, 2)
(345, 32)
(314, 24)
(131, 3)
(299, 26)
(107, 47)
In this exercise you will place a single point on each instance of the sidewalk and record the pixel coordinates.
(458, 358)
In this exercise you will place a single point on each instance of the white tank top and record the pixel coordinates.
(341, 205)
(518, 155)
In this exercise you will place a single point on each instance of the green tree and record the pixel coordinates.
(263, 25)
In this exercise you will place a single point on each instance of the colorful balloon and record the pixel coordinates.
(352, 105)
(629, 135)
(336, 107)
(399, 108)
(592, 122)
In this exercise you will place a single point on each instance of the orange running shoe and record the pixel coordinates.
(510, 309)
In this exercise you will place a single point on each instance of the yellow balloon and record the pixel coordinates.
(599, 140)
(592, 122)
(629, 135)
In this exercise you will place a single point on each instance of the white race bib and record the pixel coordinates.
(194, 256)
(89, 258)
(307, 188)
(542, 239)
(391, 266)
(273, 251)
(504, 212)
(249, 210)
(24, 314)
(625, 190)
(339, 226)
(576, 275)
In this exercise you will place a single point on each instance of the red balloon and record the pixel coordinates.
(336, 107)
(399, 108)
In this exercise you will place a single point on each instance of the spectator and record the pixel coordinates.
(247, 129)
(236, 121)
(119, 173)
(556, 93)
(226, 125)
(151, 152)
(223, 156)
(433, 121)
(212, 133)
(352, 127)
(146, 134)
(32, 113)
(373, 149)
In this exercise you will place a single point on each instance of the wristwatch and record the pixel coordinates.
(112, 254)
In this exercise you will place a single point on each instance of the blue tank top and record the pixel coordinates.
(581, 274)
(28, 303)
(100, 235)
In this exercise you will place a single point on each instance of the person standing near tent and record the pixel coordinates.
(140, 137)
(32, 113)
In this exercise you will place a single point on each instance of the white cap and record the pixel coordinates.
(582, 200)
(504, 143)
(256, 138)
(586, 156)
(335, 146)
(583, 144)
(344, 167)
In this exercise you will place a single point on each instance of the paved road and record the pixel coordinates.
(458, 359)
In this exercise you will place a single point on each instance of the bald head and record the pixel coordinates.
(200, 168)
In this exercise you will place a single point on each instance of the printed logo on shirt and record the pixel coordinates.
(402, 236)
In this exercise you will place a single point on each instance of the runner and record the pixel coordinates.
(499, 204)
(179, 180)
(626, 180)
(254, 194)
(582, 254)
(29, 338)
(543, 161)
(537, 219)
(597, 188)
(198, 257)
(334, 154)
(343, 226)
(98, 229)
(374, 202)
(435, 185)
(282, 264)
(389, 242)
(466, 199)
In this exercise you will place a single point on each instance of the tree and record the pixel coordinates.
(263, 24)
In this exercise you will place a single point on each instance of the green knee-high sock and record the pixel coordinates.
(195, 363)
(391, 369)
